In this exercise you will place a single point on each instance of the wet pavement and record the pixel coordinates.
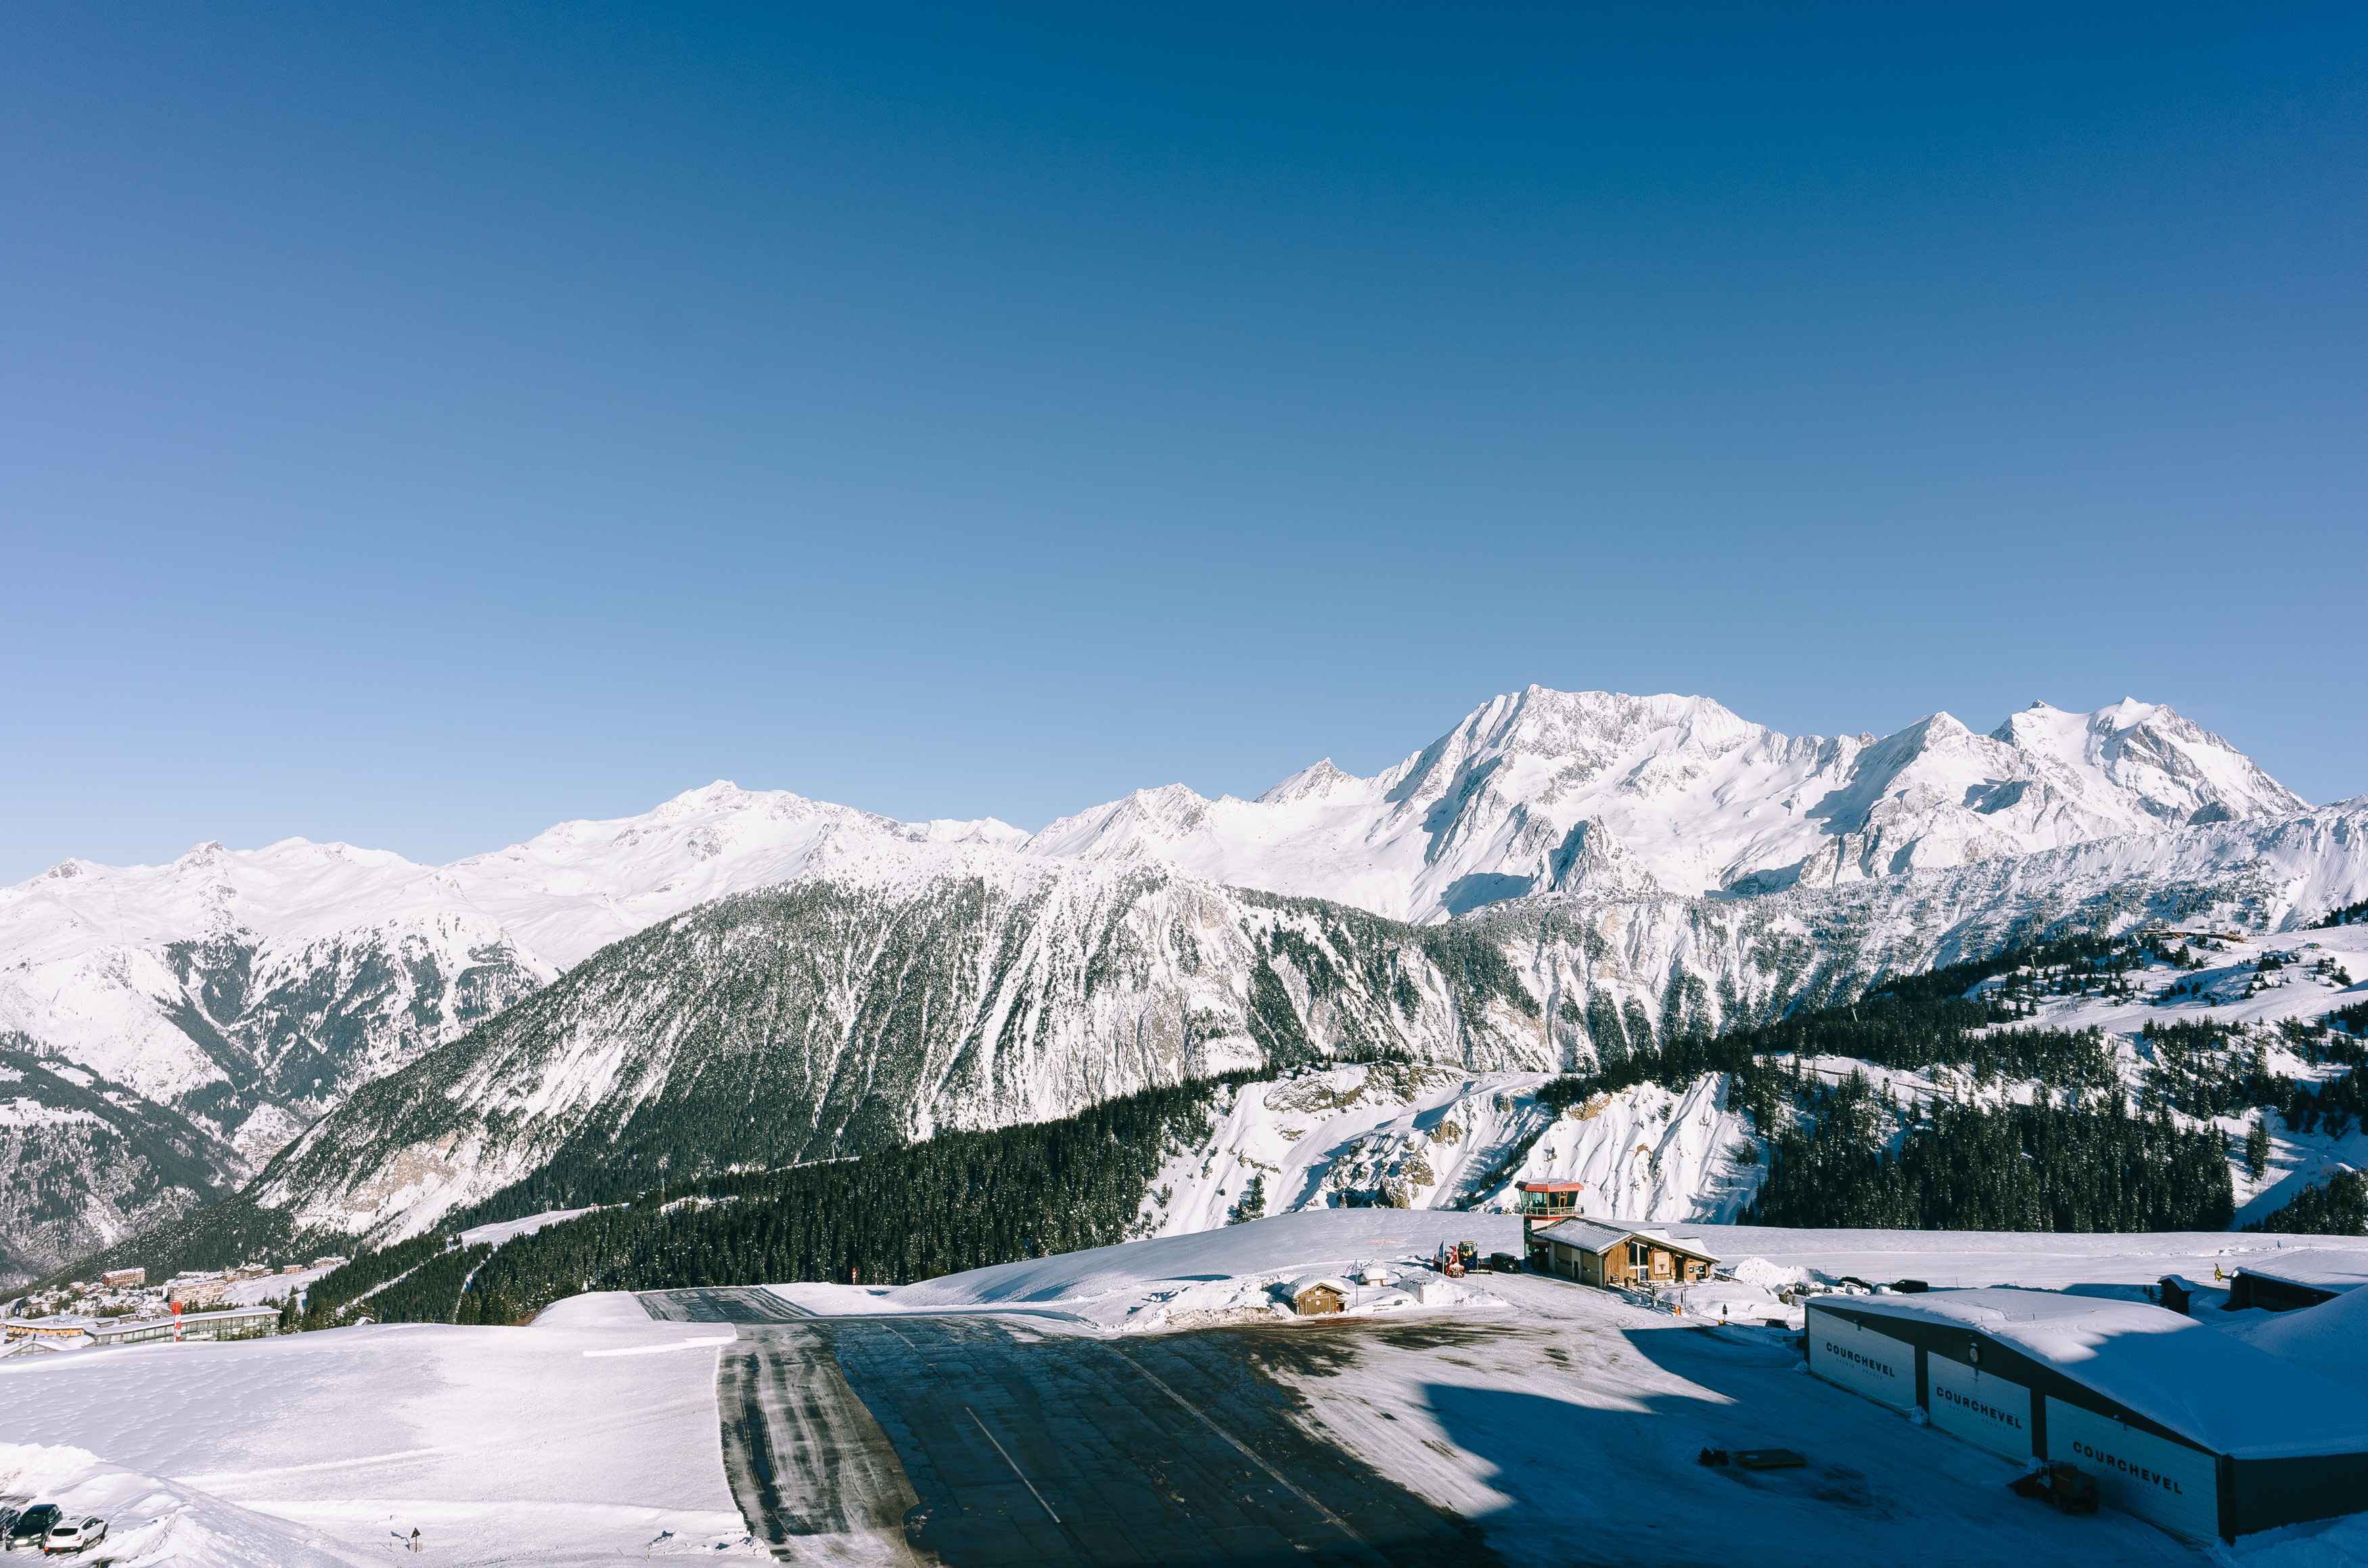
(991, 1444)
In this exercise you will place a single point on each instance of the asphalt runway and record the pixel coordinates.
(995, 1447)
(720, 1303)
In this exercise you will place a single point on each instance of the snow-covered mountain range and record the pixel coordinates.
(1656, 856)
(1594, 792)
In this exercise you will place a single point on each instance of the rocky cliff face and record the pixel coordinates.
(84, 1163)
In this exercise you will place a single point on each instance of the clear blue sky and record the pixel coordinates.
(418, 427)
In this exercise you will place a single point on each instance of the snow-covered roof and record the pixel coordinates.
(2318, 1268)
(2203, 1384)
(1307, 1283)
(2330, 1339)
(1596, 1236)
(57, 1322)
(1592, 1234)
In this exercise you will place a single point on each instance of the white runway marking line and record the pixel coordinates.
(661, 1349)
(1015, 1467)
(1239, 1447)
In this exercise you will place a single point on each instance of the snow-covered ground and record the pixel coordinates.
(270, 1288)
(559, 1444)
(1570, 1431)
(2318, 972)
(1564, 1405)
(1168, 1281)
(1527, 1403)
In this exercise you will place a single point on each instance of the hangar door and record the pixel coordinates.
(1861, 1360)
(1981, 1407)
(2174, 1486)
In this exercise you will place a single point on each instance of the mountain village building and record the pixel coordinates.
(59, 1328)
(2179, 1423)
(1594, 1253)
(232, 1322)
(64, 1331)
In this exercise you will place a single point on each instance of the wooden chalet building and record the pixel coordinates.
(1594, 1253)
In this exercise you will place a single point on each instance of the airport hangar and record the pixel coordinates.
(2180, 1423)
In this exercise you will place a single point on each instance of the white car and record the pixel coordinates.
(71, 1534)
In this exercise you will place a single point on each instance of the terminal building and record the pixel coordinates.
(1594, 1253)
(2179, 1423)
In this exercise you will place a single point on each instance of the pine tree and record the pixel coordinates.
(1252, 1203)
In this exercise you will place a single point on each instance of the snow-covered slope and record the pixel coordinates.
(1399, 1136)
(555, 1446)
(1595, 791)
(252, 987)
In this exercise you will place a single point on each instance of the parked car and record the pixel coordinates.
(1504, 1263)
(73, 1534)
(31, 1527)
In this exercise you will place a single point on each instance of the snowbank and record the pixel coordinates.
(151, 1520)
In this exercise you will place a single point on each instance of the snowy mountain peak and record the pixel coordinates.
(722, 795)
(1599, 791)
(2172, 770)
(1141, 823)
(1317, 782)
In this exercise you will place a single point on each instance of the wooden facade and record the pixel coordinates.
(1595, 1254)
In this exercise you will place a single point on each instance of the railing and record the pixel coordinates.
(1545, 1209)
